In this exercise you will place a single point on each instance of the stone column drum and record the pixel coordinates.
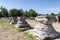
(44, 28)
(21, 22)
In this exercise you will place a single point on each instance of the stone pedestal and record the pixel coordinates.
(21, 22)
(44, 28)
(12, 20)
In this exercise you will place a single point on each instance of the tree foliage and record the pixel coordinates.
(58, 14)
(17, 12)
(3, 12)
(52, 14)
(20, 12)
(26, 14)
(13, 12)
(32, 13)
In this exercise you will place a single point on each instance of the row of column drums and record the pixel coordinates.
(20, 21)
(17, 21)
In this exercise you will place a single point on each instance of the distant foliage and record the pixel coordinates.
(58, 14)
(13, 12)
(17, 12)
(20, 12)
(32, 13)
(47, 14)
(26, 14)
(1, 15)
(3, 12)
(52, 14)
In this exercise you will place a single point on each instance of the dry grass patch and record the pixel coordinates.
(29, 35)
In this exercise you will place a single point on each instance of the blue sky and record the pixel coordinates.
(41, 6)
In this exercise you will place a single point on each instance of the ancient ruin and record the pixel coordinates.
(44, 28)
(12, 20)
(21, 22)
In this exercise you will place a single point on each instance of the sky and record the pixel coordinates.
(40, 6)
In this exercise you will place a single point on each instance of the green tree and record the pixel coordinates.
(32, 13)
(1, 14)
(47, 14)
(4, 12)
(16, 12)
(58, 14)
(26, 14)
(20, 12)
(13, 12)
(52, 14)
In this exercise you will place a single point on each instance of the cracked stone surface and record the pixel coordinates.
(44, 28)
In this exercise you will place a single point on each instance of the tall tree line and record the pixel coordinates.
(20, 12)
(17, 12)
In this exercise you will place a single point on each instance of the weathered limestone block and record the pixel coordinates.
(12, 20)
(15, 20)
(21, 22)
(9, 19)
(6, 18)
(44, 28)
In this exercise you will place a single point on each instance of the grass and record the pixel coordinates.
(1, 39)
(16, 38)
(29, 35)
(5, 25)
